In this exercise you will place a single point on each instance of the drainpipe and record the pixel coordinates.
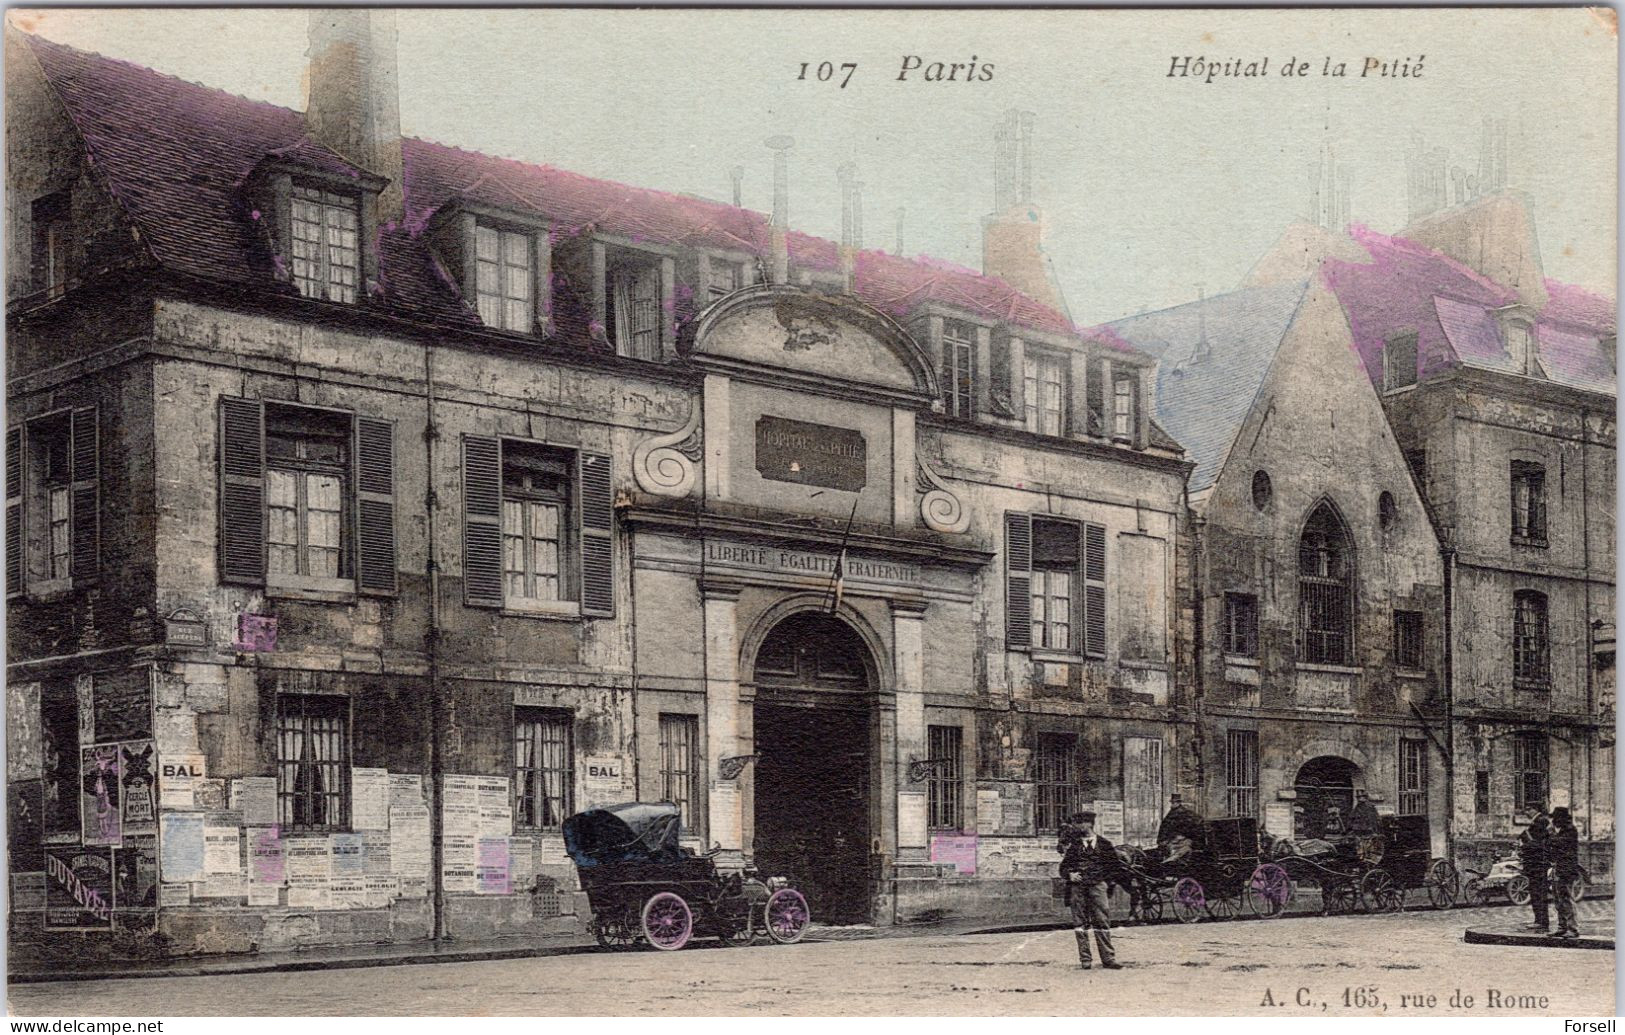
(1591, 647)
(1449, 553)
(1198, 639)
(431, 433)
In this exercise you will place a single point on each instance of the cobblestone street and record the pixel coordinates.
(1308, 965)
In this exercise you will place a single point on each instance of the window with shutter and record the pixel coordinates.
(375, 505)
(1094, 591)
(242, 491)
(597, 535)
(482, 521)
(1018, 563)
(14, 510)
(85, 510)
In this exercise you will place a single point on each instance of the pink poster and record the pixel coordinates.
(267, 860)
(959, 849)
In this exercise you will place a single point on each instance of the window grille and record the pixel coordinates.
(1057, 780)
(680, 768)
(1408, 640)
(1529, 770)
(1241, 774)
(313, 762)
(1325, 589)
(1241, 624)
(1413, 777)
(1528, 501)
(943, 792)
(1531, 648)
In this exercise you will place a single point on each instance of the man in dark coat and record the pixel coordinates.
(1563, 849)
(1181, 821)
(1534, 863)
(1364, 819)
(1089, 865)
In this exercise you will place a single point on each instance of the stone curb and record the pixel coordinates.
(1480, 936)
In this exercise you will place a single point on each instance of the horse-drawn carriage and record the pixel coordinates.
(644, 887)
(1367, 872)
(1216, 875)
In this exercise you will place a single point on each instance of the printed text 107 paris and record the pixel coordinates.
(912, 68)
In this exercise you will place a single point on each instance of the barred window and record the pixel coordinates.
(1528, 503)
(502, 277)
(1529, 770)
(307, 464)
(313, 762)
(1531, 648)
(1325, 590)
(1057, 780)
(1044, 384)
(1241, 773)
(1408, 640)
(326, 252)
(680, 769)
(1413, 777)
(1241, 624)
(544, 767)
(944, 807)
(959, 369)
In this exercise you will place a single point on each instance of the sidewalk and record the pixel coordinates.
(1593, 935)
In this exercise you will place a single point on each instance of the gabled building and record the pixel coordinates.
(1317, 582)
(372, 505)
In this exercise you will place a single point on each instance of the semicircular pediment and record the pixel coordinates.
(827, 341)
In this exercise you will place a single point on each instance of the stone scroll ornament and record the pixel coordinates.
(940, 509)
(667, 465)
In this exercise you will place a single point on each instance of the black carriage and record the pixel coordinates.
(1372, 872)
(1409, 859)
(1218, 876)
(644, 887)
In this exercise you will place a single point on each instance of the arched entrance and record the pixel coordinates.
(814, 730)
(1323, 783)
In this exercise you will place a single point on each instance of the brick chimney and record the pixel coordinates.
(354, 101)
(1013, 236)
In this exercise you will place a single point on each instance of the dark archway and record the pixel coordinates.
(1322, 784)
(814, 731)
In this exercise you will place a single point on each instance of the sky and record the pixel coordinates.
(1153, 188)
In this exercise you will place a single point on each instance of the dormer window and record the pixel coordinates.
(502, 279)
(1399, 361)
(1518, 333)
(634, 306)
(1125, 386)
(326, 249)
(958, 369)
(722, 278)
(1044, 390)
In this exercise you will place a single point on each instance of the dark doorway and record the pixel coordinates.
(1323, 784)
(813, 733)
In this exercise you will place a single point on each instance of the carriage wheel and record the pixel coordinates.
(1190, 902)
(1341, 897)
(1473, 891)
(667, 921)
(1443, 884)
(613, 934)
(1269, 890)
(1150, 906)
(1224, 908)
(1379, 893)
(787, 916)
(1518, 890)
(739, 937)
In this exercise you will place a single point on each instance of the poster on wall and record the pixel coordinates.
(181, 846)
(496, 808)
(492, 866)
(369, 799)
(521, 864)
(987, 812)
(459, 864)
(28, 892)
(121, 704)
(460, 806)
(84, 687)
(78, 888)
(405, 789)
(99, 809)
(23, 732)
(409, 840)
(1278, 819)
(222, 843)
(958, 849)
(376, 855)
(267, 858)
(178, 775)
(1109, 819)
(135, 891)
(138, 788)
(23, 824)
(348, 857)
(59, 760)
(255, 798)
(309, 871)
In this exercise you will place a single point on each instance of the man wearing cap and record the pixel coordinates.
(1089, 864)
(1563, 849)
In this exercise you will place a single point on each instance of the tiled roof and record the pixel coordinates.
(176, 155)
(1212, 357)
(1403, 286)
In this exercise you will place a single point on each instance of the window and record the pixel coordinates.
(959, 369)
(634, 306)
(943, 806)
(313, 762)
(1387, 511)
(1055, 577)
(52, 438)
(307, 461)
(1408, 640)
(1520, 346)
(544, 768)
(52, 238)
(1124, 388)
(722, 278)
(1325, 590)
(1241, 626)
(306, 498)
(1531, 657)
(535, 520)
(537, 528)
(1529, 770)
(1057, 780)
(326, 244)
(1263, 489)
(1413, 777)
(1399, 361)
(680, 769)
(503, 278)
(1044, 384)
(1241, 773)
(1528, 503)
(52, 500)
(1481, 792)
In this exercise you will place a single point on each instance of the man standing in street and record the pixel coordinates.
(1088, 865)
(1563, 849)
(1534, 863)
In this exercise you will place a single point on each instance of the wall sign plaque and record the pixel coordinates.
(810, 454)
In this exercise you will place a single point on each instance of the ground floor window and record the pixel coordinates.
(313, 762)
(944, 807)
(544, 767)
(1529, 771)
(1241, 773)
(1057, 780)
(1413, 777)
(680, 768)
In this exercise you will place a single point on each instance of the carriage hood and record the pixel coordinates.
(630, 832)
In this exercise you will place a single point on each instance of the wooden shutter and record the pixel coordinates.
(482, 521)
(85, 512)
(242, 491)
(597, 531)
(375, 505)
(1018, 568)
(1094, 591)
(14, 510)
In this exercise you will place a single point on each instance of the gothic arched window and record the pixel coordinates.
(1325, 590)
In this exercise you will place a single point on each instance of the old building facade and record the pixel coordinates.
(372, 505)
